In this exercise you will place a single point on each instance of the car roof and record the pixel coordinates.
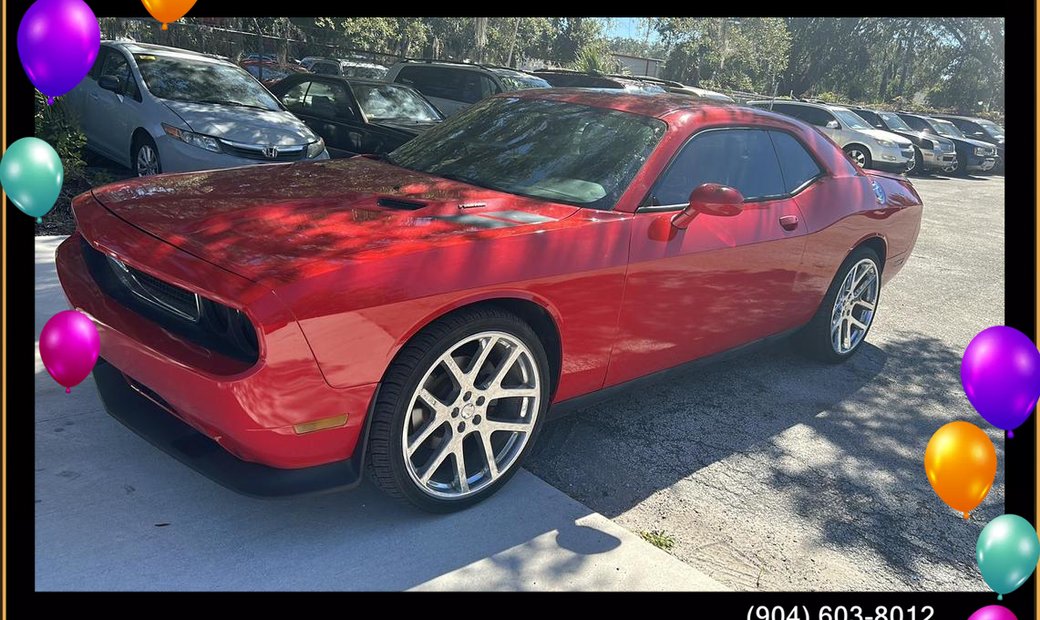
(645, 104)
(163, 50)
(974, 119)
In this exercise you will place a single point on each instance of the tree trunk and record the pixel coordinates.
(512, 42)
(479, 38)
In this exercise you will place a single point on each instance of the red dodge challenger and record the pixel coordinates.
(280, 328)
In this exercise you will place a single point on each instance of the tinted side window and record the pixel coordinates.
(816, 116)
(917, 124)
(117, 66)
(99, 62)
(471, 86)
(740, 158)
(871, 118)
(969, 128)
(326, 101)
(325, 68)
(293, 98)
(796, 164)
(426, 80)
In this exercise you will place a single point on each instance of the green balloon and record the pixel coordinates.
(1007, 553)
(31, 173)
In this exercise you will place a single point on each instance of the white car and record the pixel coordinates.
(867, 146)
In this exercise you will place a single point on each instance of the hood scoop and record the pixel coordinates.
(403, 205)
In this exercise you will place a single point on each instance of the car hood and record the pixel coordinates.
(244, 125)
(274, 223)
(881, 134)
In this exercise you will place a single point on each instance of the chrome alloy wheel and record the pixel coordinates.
(854, 306)
(471, 415)
(147, 161)
(858, 156)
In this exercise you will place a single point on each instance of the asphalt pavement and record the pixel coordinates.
(773, 472)
(114, 513)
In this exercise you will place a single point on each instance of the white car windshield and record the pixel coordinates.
(180, 78)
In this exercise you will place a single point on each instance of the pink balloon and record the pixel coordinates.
(993, 612)
(69, 346)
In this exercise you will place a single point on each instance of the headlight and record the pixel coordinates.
(190, 137)
(315, 148)
(981, 151)
(885, 143)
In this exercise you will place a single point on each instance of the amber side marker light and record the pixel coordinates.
(320, 425)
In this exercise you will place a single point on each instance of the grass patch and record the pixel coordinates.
(659, 539)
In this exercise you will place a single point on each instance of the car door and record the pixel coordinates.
(115, 115)
(723, 281)
(81, 100)
(327, 107)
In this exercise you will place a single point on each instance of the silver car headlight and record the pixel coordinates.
(202, 141)
(315, 149)
(885, 143)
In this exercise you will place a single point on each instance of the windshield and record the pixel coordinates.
(519, 81)
(849, 119)
(386, 101)
(945, 128)
(554, 150)
(361, 71)
(202, 81)
(991, 128)
(893, 121)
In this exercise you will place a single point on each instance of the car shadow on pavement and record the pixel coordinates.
(802, 442)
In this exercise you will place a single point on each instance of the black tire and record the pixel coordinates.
(857, 151)
(962, 166)
(814, 339)
(386, 461)
(918, 169)
(142, 141)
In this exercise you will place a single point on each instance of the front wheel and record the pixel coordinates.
(458, 410)
(145, 157)
(859, 154)
(845, 315)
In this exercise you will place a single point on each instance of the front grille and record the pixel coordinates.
(202, 321)
(262, 153)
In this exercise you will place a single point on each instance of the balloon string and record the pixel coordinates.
(68, 390)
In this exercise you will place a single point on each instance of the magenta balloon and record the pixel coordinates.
(993, 612)
(58, 41)
(69, 346)
(1000, 372)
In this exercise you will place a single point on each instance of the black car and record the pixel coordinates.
(565, 78)
(972, 155)
(357, 116)
(980, 129)
(931, 152)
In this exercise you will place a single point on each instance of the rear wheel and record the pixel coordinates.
(845, 315)
(459, 409)
(859, 154)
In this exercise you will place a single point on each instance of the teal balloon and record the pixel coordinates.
(1007, 553)
(31, 173)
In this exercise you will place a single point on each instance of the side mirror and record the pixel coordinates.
(832, 125)
(710, 199)
(112, 83)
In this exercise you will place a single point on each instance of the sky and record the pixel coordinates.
(628, 27)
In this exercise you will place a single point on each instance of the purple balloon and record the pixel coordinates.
(993, 612)
(58, 41)
(69, 346)
(1000, 373)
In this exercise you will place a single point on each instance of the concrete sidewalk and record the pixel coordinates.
(114, 513)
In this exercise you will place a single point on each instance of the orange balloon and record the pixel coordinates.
(961, 463)
(168, 11)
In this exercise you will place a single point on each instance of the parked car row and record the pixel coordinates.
(903, 141)
(161, 109)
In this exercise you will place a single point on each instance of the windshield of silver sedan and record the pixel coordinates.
(554, 150)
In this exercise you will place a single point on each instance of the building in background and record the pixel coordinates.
(638, 65)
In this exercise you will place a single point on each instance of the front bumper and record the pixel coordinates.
(938, 161)
(981, 164)
(252, 412)
(892, 159)
(153, 422)
(176, 156)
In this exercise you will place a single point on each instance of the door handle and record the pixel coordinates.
(789, 222)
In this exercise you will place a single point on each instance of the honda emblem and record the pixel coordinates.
(271, 152)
